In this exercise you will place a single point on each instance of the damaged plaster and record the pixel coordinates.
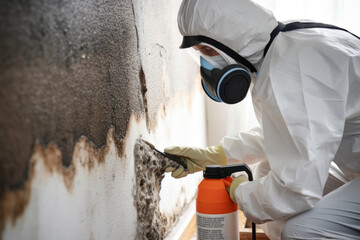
(149, 169)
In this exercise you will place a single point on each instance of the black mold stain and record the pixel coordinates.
(67, 69)
(149, 169)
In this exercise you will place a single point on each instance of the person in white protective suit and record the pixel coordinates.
(305, 86)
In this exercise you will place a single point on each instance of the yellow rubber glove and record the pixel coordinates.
(235, 183)
(196, 159)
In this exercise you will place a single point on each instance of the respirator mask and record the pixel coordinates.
(223, 79)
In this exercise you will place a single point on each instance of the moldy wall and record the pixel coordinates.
(67, 69)
(80, 81)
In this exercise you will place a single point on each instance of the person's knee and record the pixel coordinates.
(285, 234)
(291, 230)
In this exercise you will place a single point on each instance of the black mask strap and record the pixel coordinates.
(273, 34)
(299, 25)
(189, 41)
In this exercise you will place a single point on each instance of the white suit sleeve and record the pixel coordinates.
(239, 145)
(303, 115)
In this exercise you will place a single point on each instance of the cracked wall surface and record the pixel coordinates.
(80, 81)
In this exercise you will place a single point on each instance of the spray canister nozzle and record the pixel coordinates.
(218, 171)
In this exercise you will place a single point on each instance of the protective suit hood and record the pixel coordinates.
(241, 25)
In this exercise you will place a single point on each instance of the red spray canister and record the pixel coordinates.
(216, 214)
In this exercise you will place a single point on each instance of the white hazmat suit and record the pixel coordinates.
(307, 100)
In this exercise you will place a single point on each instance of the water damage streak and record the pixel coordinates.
(150, 168)
(86, 154)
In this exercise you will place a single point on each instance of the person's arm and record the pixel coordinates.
(244, 145)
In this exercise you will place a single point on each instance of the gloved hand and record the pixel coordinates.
(196, 159)
(235, 183)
